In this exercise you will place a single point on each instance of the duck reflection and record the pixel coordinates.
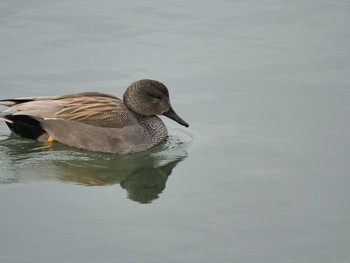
(142, 175)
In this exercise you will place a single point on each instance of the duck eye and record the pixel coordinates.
(154, 96)
(156, 99)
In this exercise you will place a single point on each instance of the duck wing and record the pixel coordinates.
(93, 108)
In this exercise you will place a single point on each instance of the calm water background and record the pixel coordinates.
(261, 175)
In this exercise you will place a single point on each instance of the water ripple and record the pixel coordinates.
(143, 175)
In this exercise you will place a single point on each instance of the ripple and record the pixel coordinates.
(143, 175)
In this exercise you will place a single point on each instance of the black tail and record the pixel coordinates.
(25, 126)
(11, 102)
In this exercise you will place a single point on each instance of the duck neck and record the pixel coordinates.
(155, 128)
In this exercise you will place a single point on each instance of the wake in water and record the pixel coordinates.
(143, 175)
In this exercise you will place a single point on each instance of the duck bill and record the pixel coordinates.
(172, 115)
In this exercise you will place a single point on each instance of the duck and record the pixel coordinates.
(95, 121)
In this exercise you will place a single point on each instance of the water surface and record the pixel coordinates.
(262, 173)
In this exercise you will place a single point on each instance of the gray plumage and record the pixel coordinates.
(96, 121)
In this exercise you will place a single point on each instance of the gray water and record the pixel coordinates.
(261, 174)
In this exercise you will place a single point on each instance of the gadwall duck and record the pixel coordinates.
(95, 121)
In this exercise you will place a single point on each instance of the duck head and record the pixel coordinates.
(150, 97)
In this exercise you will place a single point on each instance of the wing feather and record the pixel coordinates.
(93, 108)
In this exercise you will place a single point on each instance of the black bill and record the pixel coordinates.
(172, 115)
